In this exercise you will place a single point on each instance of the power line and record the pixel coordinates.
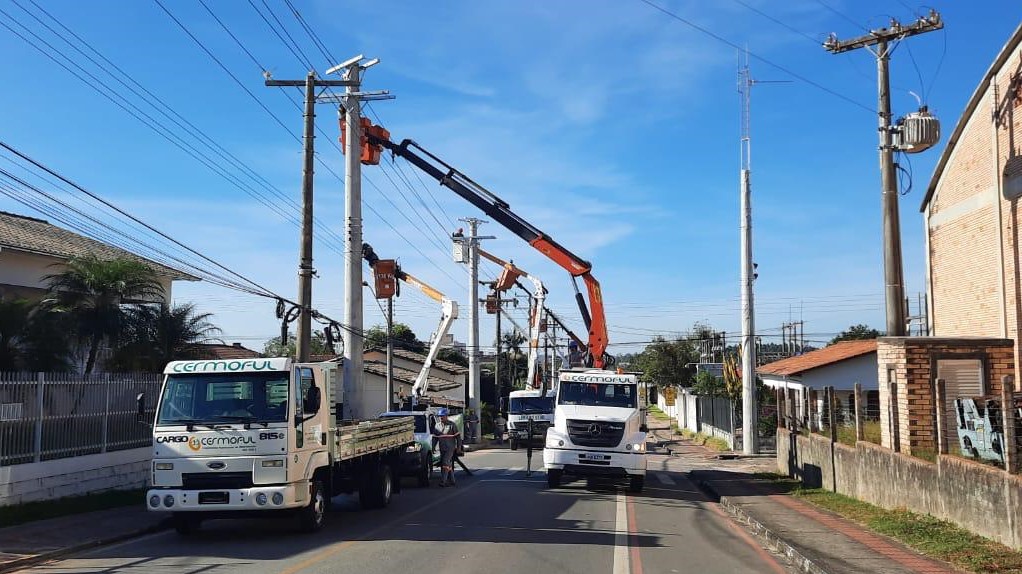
(770, 63)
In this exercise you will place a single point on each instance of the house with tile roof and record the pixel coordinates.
(227, 352)
(31, 249)
(840, 365)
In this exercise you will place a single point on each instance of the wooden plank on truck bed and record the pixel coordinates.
(372, 436)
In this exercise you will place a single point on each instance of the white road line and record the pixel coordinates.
(665, 478)
(511, 471)
(621, 560)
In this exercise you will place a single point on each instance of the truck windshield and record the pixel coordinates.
(530, 405)
(597, 394)
(224, 397)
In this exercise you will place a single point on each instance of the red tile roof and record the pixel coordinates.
(826, 356)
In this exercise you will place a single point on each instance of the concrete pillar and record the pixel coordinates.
(939, 396)
(1008, 417)
(860, 432)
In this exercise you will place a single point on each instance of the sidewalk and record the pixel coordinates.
(33, 542)
(815, 540)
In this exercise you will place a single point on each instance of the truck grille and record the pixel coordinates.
(595, 433)
(538, 427)
(216, 480)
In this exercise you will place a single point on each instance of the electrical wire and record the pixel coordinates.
(770, 63)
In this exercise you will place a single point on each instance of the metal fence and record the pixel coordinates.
(45, 416)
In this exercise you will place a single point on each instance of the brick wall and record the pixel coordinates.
(908, 420)
(962, 220)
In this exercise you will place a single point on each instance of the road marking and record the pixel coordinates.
(636, 558)
(511, 471)
(621, 562)
(665, 479)
(481, 471)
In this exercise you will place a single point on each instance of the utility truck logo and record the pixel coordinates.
(197, 443)
(594, 430)
(163, 439)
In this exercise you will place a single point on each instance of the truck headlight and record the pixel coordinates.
(414, 447)
(168, 500)
(164, 466)
(278, 498)
(261, 499)
(154, 501)
(279, 463)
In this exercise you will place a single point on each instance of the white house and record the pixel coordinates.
(31, 249)
(840, 365)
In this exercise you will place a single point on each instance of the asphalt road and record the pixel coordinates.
(498, 521)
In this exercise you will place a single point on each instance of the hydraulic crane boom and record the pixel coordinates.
(447, 317)
(500, 211)
(507, 279)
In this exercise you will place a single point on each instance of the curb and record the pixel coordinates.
(19, 563)
(772, 540)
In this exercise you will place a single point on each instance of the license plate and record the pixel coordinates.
(590, 456)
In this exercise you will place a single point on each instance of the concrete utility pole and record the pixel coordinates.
(473, 318)
(354, 374)
(750, 407)
(390, 352)
(885, 40)
(305, 270)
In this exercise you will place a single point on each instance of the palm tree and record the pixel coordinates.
(156, 335)
(94, 291)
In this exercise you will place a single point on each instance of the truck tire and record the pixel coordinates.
(376, 488)
(514, 443)
(312, 517)
(425, 470)
(553, 477)
(636, 483)
(186, 525)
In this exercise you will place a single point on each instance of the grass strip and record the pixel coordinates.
(930, 536)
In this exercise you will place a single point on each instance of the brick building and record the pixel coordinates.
(971, 211)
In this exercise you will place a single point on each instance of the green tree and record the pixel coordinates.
(668, 363)
(96, 293)
(404, 338)
(156, 335)
(14, 322)
(708, 384)
(857, 332)
(452, 355)
(317, 346)
(48, 341)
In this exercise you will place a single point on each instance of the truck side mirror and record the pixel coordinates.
(310, 403)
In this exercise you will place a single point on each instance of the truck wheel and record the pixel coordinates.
(186, 525)
(425, 470)
(636, 483)
(376, 488)
(514, 443)
(311, 518)
(553, 477)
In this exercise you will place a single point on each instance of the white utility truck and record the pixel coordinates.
(262, 437)
(526, 405)
(599, 428)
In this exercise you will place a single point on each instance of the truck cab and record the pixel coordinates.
(599, 429)
(526, 405)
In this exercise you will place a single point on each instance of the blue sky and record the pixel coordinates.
(608, 124)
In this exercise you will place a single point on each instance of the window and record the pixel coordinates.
(224, 397)
(962, 378)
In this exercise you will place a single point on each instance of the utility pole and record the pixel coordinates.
(750, 410)
(885, 39)
(305, 270)
(390, 352)
(473, 318)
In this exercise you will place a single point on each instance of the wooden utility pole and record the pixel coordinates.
(885, 39)
(305, 269)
